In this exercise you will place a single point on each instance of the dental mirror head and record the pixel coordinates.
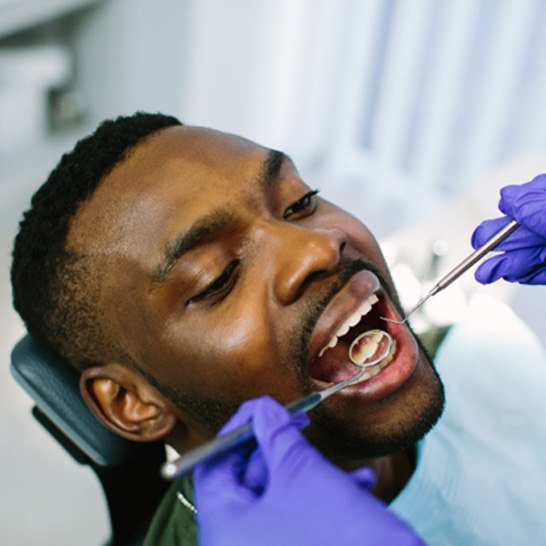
(366, 351)
(370, 348)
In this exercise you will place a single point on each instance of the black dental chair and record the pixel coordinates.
(128, 471)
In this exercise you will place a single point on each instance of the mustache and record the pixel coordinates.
(347, 269)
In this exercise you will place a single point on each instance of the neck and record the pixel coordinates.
(392, 471)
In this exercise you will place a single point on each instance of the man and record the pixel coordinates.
(189, 270)
(184, 270)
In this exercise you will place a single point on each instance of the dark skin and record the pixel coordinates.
(223, 275)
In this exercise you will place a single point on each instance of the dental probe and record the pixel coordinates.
(462, 267)
(244, 433)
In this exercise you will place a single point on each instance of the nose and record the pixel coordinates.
(304, 255)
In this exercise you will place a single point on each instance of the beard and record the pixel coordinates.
(343, 443)
(336, 438)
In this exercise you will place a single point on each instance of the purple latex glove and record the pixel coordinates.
(285, 492)
(523, 256)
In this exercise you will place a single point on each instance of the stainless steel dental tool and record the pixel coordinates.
(189, 460)
(462, 267)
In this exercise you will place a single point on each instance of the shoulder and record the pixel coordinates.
(173, 523)
(494, 372)
(492, 355)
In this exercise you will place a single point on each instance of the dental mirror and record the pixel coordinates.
(366, 351)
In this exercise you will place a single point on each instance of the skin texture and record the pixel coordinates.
(269, 273)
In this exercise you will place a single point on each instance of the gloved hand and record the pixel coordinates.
(523, 256)
(284, 492)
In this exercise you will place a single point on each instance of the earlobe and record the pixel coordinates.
(126, 403)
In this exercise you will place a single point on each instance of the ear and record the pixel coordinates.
(126, 403)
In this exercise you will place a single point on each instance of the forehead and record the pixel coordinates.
(171, 178)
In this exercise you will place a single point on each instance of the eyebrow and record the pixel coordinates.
(206, 227)
(203, 229)
(271, 168)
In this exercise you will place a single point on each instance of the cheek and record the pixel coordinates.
(228, 354)
(359, 237)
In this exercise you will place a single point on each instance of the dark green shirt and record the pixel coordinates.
(174, 524)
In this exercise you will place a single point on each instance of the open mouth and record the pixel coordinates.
(333, 363)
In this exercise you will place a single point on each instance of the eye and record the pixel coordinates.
(221, 286)
(302, 207)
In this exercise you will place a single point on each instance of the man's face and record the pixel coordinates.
(225, 277)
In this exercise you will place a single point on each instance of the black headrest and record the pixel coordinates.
(54, 385)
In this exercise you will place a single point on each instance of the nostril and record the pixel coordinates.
(315, 276)
(342, 247)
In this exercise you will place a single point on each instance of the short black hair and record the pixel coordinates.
(47, 279)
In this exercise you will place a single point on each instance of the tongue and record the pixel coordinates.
(334, 365)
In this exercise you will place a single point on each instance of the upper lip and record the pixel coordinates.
(358, 289)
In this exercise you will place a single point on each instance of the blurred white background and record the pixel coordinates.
(409, 113)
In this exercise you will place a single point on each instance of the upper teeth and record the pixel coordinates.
(353, 320)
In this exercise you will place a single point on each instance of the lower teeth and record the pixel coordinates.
(373, 350)
(370, 348)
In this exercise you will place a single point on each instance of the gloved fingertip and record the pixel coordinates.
(256, 474)
(486, 229)
(475, 239)
(242, 416)
(301, 420)
(507, 194)
(480, 277)
(365, 477)
(485, 274)
(248, 409)
(277, 433)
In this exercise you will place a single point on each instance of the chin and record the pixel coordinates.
(390, 427)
